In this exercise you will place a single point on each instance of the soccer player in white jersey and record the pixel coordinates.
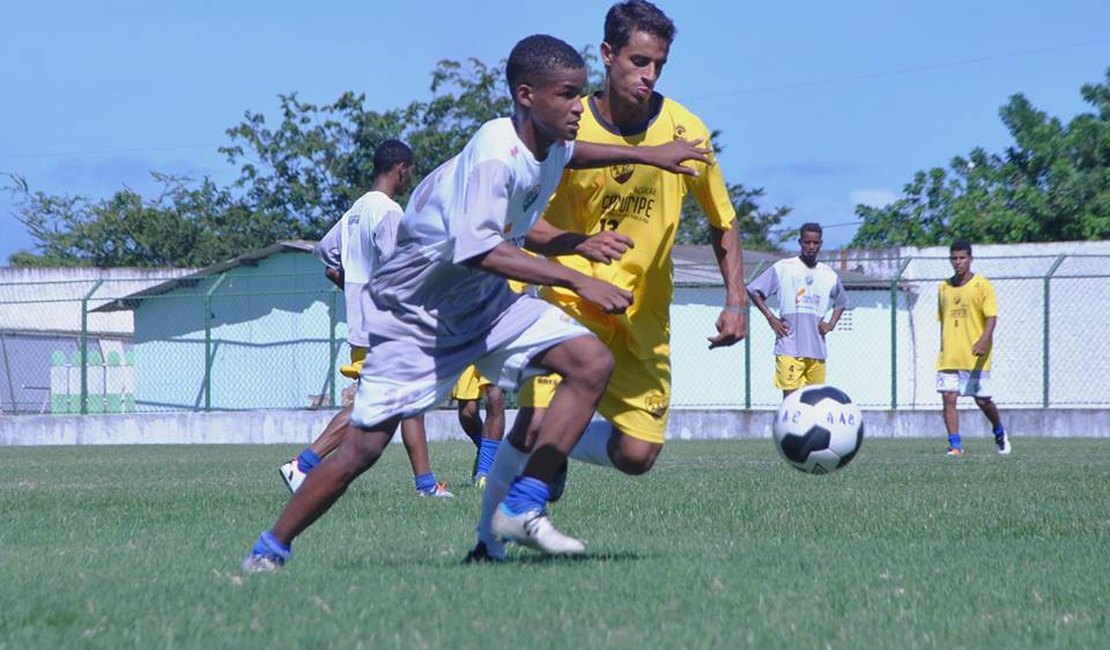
(806, 289)
(441, 302)
(351, 251)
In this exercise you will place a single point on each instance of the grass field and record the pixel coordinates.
(721, 546)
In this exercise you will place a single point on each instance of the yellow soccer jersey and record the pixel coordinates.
(644, 203)
(963, 312)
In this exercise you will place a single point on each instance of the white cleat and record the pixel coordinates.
(534, 530)
(439, 492)
(259, 563)
(1003, 444)
(292, 475)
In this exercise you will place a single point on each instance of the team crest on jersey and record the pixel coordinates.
(679, 131)
(621, 173)
(656, 404)
(530, 196)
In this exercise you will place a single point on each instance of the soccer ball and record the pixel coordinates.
(818, 429)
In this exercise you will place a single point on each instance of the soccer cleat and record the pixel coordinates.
(262, 563)
(480, 554)
(480, 482)
(439, 492)
(1003, 444)
(955, 451)
(534, 530)
(292, 475)
(559, 485)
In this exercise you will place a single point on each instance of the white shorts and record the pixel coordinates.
(402, 378)
(969, 383)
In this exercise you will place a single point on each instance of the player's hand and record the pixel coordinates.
(732, 327)
(824, 327)
(780, 327)
(671, 155)
(610, 298)
(604, 247)
(980, 347)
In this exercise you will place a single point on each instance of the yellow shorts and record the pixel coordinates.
(636, 401)
(353, 369)
(791, 373)
(469, 386)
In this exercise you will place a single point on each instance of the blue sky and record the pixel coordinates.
(822, 104)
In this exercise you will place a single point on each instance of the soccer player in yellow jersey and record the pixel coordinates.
(967, 312)
(626, 217)
(486, 436)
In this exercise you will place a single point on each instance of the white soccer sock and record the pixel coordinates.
(507, 465)
(593, 446)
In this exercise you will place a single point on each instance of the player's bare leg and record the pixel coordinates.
(516, 509)
(358, 452)
(296, 469)
(952, 423)
(601, 444)
(415, 438)
(1001, 438)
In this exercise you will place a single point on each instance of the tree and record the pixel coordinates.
(296, 176)
(1052, 184)
(756, 224)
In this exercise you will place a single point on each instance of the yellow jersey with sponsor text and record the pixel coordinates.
(963, 312)
(644, 203)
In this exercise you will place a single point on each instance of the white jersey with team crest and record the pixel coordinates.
(357, 243)
(805, 296)
(494, 190)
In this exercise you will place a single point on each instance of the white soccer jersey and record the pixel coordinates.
(357, 243)
(805, 296)
(494, 190)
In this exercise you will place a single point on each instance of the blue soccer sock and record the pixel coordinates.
(954, 440)
(307, 460)
(526, 494)
(487, 451)
(426, 482)
(269, 546)
(999, 431)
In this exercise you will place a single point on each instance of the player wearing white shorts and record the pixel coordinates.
(967, 311)
(441, 303)
(351, 252)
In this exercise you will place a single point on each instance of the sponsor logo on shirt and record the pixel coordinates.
(530, 196)
(621, 173)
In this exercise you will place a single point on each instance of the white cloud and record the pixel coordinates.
(874, 197)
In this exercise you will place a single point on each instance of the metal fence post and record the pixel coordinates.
(208, 341)
(894, 332)
(85, 346)
(333, 344)
(748, 340)
(1045, 349)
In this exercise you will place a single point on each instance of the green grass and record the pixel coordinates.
(722, 545)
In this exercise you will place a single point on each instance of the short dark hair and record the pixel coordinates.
(626, 17)
(810, 226)
(536, 56)
(389, 154)
(960, 245)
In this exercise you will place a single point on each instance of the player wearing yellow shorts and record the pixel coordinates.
(625, 217)
(807, 289)
(486, 436)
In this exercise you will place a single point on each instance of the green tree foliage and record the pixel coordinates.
(1052, 184)
(296, 176)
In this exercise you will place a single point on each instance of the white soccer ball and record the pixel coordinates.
(818, 429)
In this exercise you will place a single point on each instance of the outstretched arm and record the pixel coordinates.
(604, 247)
(508, 261)
(669, 156)
(732, 324)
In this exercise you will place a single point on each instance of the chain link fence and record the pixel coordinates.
(248, 339)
